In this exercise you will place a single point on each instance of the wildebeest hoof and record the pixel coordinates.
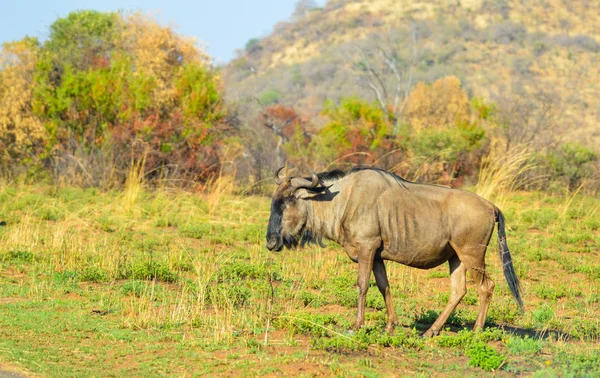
(390, 328)
(431, 332)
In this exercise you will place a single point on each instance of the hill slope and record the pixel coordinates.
(538, 61)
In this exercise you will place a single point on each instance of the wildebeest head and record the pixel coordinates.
(289, 210)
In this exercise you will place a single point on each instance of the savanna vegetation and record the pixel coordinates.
(160, 282)
(134, 182)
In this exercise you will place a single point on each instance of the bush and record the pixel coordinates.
(356, 129)
(573, 162)
(505, 32)
(270, 97)
(106, 90)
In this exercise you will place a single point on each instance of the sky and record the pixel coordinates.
(222, 26)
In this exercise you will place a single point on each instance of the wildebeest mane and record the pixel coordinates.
(398, 179)
(337, 174)
(332, 175)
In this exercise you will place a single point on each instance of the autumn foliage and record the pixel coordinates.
(108, 89)
(21, 133)
(440, 137)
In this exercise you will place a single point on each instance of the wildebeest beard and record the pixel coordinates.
(305, 237)
(302, 238)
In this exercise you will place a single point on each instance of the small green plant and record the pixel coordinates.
(199, 230)
(484, 356)
(93, 274)
(65, 277)
(539, 218)
(461, 339)
(48, 213)
(547, 292)
(135, 288)
(523, 346)
(238, 271)
(586, 329)
(22, 256)
(366, 337)
(542, 316)
(225, 295)
(270, 97)
(339, 344)
(149, 270)
(312, 324)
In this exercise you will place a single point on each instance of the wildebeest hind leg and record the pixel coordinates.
(457, 292)
(486, 289)
(384, 288)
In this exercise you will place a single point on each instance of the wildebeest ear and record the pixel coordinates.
(319, 189)
(310, 192)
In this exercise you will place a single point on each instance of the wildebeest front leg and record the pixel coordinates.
(365, 265)
(364, 274)
(384, 289)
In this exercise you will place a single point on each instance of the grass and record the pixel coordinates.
(175, 283)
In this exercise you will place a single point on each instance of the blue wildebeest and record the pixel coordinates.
(377, 216)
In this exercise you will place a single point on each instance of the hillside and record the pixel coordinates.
(537, 61)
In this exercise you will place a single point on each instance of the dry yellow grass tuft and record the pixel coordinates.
(502, 172)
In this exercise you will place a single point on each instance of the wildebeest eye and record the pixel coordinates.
(290, 200)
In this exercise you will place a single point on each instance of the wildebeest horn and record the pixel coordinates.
(276, 177)
(304, 183)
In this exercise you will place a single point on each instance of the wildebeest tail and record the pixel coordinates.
(507, 265)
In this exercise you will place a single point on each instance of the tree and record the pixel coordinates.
(528, 115)
(386, 73)
(286, 125)
(439, 105)
(303, 8)
(21, 133)
(84, 38)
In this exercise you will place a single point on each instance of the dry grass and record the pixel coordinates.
(218, 191)
(134, 184)
(503, 172)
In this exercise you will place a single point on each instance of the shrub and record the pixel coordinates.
(106, 90)
(572, 161)
(253, 45)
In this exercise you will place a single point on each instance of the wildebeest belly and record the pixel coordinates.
(422, 258)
